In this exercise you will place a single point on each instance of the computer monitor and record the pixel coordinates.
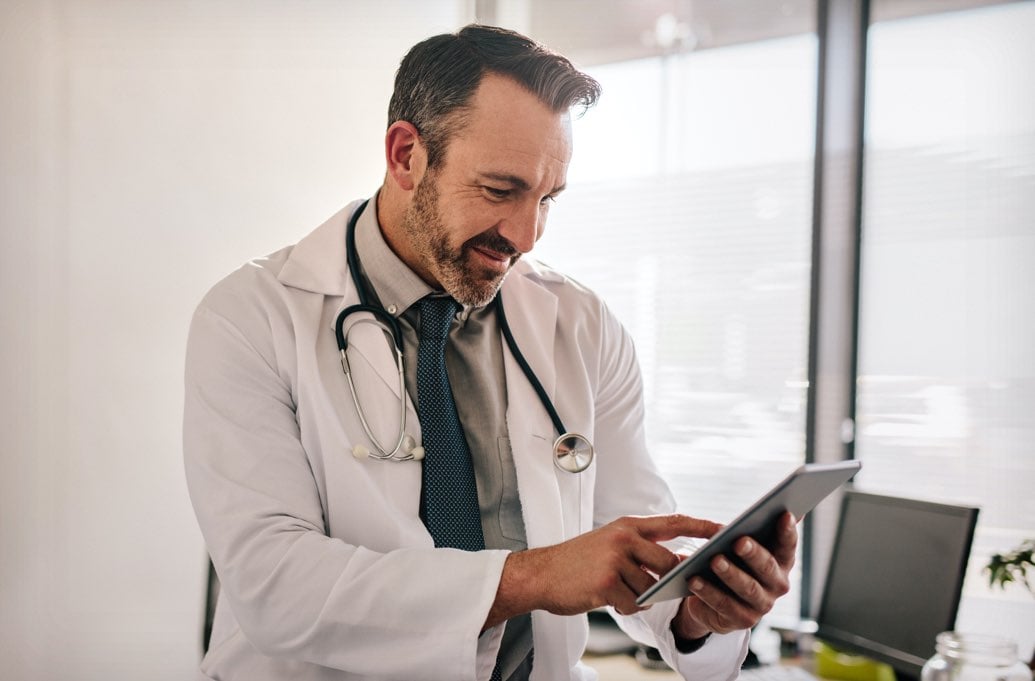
(895, 578)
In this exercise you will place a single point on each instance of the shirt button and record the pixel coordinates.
(392, 309)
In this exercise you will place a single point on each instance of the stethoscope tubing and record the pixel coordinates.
(525, 368)
(566, 453)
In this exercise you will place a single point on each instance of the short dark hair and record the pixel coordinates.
(438, 77)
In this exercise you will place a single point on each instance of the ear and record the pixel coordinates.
(405, 155)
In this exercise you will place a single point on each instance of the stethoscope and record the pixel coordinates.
(572, 452)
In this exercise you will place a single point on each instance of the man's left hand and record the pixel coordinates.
(751, 592)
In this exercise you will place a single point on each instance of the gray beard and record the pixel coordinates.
(428, 235)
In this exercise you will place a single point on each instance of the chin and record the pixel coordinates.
(477, 295)
(474, 287)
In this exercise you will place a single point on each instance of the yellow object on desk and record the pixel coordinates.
(833, 664)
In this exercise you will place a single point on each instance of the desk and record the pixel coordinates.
(626, 668)
(620, 667)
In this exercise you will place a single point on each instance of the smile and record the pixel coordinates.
(493, 259)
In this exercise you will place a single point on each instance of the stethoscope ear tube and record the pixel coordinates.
(380, 315)
(404, 443)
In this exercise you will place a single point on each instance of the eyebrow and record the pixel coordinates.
(516, 181)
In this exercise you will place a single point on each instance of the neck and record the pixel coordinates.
(392, 205)
(390, 211)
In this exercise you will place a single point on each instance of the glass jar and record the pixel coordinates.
(974, 657)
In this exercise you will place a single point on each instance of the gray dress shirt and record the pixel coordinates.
(474, 362)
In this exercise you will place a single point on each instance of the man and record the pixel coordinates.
(353, 544)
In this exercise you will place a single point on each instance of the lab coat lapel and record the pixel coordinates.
(546, 500)
(532, 312)
(309, 268)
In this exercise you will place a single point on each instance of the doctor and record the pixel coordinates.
(317, 473)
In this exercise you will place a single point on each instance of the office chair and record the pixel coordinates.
(211, 595)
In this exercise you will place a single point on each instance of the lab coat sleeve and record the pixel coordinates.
(295, 592)
(628, 483)
(719, 659)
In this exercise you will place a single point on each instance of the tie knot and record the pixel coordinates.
(436, 314)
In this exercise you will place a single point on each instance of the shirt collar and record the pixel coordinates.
(396, 286)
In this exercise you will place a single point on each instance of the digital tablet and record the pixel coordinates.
(798, 493)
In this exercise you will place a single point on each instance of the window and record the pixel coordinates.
(689, 209)
(946, 386)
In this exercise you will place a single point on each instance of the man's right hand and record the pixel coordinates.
(608, 566)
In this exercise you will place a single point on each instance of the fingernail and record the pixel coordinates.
(696, 584)
(721, 565)
(747, 547)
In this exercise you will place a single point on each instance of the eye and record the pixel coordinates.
(547, 200)
(496, 192)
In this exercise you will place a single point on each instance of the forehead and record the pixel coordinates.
(508, 124)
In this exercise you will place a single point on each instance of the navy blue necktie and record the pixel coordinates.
(449, 496)
(449, 501)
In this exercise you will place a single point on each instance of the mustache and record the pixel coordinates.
(493, 242)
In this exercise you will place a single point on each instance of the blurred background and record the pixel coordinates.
(147, 148)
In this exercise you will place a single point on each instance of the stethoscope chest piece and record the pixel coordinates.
(572, 453)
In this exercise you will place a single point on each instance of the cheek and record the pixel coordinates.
(467, 224)
(544, 212)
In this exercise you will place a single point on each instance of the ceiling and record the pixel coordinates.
(602, 31)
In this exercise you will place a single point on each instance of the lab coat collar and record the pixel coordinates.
(317, 262)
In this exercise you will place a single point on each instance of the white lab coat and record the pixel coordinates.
(327, 570)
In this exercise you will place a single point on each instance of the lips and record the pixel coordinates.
(493, 251)
(493, 254)
(493, 259)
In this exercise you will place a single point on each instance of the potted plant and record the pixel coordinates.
(1014, 566)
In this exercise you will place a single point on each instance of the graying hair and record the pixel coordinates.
(438, 77)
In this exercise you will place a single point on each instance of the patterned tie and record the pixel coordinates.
(449, 501)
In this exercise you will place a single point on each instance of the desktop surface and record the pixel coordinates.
(624, 667)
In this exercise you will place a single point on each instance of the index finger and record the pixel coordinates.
(664, 527)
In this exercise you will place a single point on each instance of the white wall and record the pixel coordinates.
(146, 149)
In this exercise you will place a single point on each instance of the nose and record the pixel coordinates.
(523, 227)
